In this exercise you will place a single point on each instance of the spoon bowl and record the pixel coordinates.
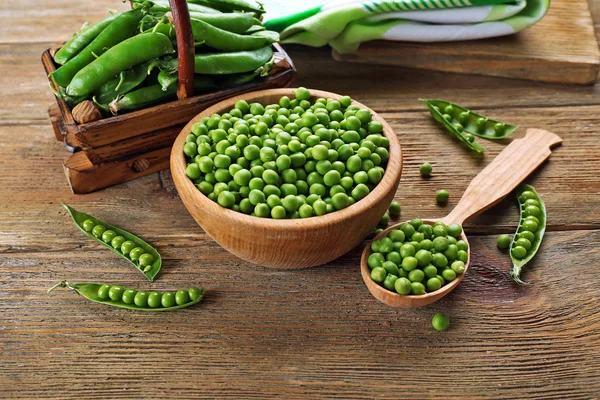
(519, 159)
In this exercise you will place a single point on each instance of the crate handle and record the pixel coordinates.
(185, 48)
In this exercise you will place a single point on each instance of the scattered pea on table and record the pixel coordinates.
(442, 196)
(425, 169)
(440, 322)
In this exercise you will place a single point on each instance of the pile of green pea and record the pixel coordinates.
(127, 247)
(148, 299)
(294, 159)
(417, 258)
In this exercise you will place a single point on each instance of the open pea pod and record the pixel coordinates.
(132, 299)
(125, 244)
(436, 112)
(529, 235)
(471, 122)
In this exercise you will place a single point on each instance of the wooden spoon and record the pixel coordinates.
(519, 159)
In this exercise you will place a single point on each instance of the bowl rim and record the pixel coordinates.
(408, 299)
(178, 166)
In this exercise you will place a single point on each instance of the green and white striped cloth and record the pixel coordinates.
(344, 24)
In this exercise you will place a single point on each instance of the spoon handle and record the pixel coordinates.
(519, 159)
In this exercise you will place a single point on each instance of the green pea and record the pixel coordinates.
(439, 260)
(462, 256)
(385, 220)
(378, 274)
(527, 225)
(103, 291)
(127, 246)
(375, 260)
(416, 275)
(386, 245)
(88, 225)
(390, 267)
(519, 252)
(454, 230)
(394, 257)
(525, 235)
(425, 169)
(182, 297)
(430, 271)
(146, 259)
(440, 243)
(423, 257)
(128, 296)
(449, 275)
(402, 286)
(394, 209)
(442, 196)
(135, 253)
(116, 292)
(98, 230)
(451, 252)
(194, 293)
(409, 263)
(462, 245)
(440, 322)
(440, 229)
(425, 244)
(433, 284)
(117, 242)
(168, 299)
(407, 250)
(141, 299)
(417, 288)
(503, 241)
(154, 299)
(396, 235)
(408, 230)
(458, 267)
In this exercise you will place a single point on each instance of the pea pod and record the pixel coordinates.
(124, 55)
(226, 41)
(154, 94)
(529, 235)
(233, 62)
(82, 39)
(166, 79)
(121, 84)
(254, 29)
(230, 22)
(132, 299)
(467, 139)
(119, 29)
(274, 36)
(139, 253)
(164, 6)
(471, 122)
(241, 79)
(230, 5)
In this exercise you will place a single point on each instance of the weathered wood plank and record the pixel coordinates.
(316, 333)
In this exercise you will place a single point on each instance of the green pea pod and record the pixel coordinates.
(82, 39)
(164, 6)
(230, 22)
(529, 235)
(438, 116)
(254, 29)
(226, 41)
(132, 299)
(272, 35)
(231, 63)
(121, 84)
(152, 95)
(230, 5)
(241, 79)
(149, 265)
(166, 79)
(61, 94)
(133, 51)
(166, 29)
(471, 122)
(119, 29)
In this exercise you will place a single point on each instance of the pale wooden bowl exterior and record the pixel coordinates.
(286, 244)
(394, 299)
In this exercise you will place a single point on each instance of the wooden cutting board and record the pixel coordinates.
(561, 48)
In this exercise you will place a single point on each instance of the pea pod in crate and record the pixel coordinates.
(121, 84)
(468, 121)
(119, 29)
(227, 41)
(458, 131)
(82, 39)
(529, 235)
(139, 253)
(132, 299)
(231, 5)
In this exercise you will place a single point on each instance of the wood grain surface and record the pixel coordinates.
(315, 333)
(571, 55)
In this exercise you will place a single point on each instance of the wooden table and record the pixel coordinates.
(316, 333)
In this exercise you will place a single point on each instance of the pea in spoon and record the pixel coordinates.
(519, 159)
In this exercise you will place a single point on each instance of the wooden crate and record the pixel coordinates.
(124, 147)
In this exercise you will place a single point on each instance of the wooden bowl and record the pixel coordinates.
(293, 243)
(401, 301)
